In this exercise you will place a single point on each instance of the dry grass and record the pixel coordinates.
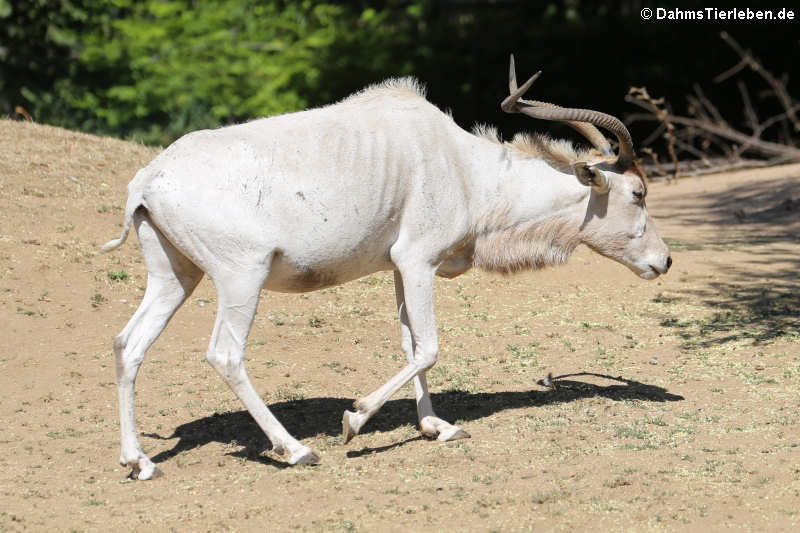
(675, 404)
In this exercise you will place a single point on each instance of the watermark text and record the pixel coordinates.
(715, 14)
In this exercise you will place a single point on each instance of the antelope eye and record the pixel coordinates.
(638, 195)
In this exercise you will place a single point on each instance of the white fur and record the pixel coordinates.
(380, 181)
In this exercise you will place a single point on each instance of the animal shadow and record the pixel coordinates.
(316, 417)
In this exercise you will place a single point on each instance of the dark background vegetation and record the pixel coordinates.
(153, 69)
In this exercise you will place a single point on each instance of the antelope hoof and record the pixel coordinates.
(453, 433)
(304, 456)
(436, 428)
(142, 469)
(351, 425)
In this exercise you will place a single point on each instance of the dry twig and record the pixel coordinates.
(705, 128)
(661, 114)
(778, 86)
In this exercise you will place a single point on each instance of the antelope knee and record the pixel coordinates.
(226, 364)
(426, 358)
(119, 345)
(119, 353)
(218, 360)
(126, 362)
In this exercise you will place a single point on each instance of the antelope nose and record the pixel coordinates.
(669, 263)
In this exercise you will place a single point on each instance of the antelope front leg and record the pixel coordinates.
(430, 425)
(422, 344)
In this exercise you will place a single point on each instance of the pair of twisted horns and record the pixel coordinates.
(584, 121)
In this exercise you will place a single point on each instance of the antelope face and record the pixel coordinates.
(616, 223)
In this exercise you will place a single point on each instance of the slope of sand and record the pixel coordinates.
(676, 404)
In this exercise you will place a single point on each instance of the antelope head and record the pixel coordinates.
(615, 223)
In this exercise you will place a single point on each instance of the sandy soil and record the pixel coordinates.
(676, 405)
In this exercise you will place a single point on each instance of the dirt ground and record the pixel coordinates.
(676, 404)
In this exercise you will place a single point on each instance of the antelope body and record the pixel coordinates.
(380, 181)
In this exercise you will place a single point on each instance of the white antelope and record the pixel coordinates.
(382, 180)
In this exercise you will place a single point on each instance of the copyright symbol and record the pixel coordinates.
(647, 13)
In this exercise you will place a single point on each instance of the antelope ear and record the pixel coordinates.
(591, 177)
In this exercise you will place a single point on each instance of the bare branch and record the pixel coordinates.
(641, 94)
(687, 147)
(777, 118)
(730, 72)
(704, 131)
(764, 147)
(696, 108)
(711, 108)
(778, 86)
(749, 112)
(698, 168)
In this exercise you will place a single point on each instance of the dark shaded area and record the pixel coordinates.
(322, 416)
(758, 206)
(750, 307)
(759, 299)
(757, 313)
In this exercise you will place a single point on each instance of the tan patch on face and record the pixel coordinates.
(612, 245)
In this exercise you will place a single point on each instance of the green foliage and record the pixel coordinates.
(37, 48)
(155, 69)
(185, 68)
